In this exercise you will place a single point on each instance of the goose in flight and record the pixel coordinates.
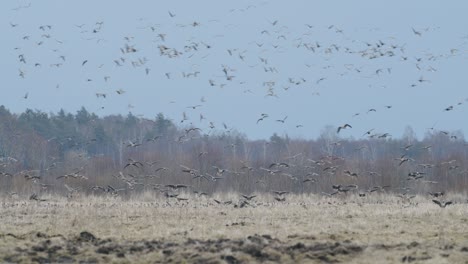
(192, 129)
(450, 108)
(280, 199)
(378, 188)
(31, 177)
(278, 164)
(75, 175)
(212, 178)
(343, 127)
(176, 186)
(194, 106)
(188, 170)
(274, 22)
(282, 120)
(133, 144)
(385, 135)
(349, 173)
(436, 194)
(248, 197)
(263, 116)
(403, 159)
(347, 188)
(368, 132)
(415, 173)
(270, 171)
(161, 169)
(35, 197)
(21, 73)
(133, 163)
(280, 193)
(171, 195)
(153, 139)
(219, 171)
(330, 194)
(407, 147)
(312, 180)
(442, 204)
(417, 33)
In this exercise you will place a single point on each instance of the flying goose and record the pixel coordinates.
(349, 173)
(75, 175)
(219, 171)
(312, 180)
(31, 177)
(403, 159)
(417, 33)
(36, 198)
(212, 178)
(192, 129)
(449, 108)
(330, 194)
(133, 144)
(436, 194)
(282, 120)
(188, 170)
(171, 195)
(407, 147)
(442, 204)
(278, 164)
(263, 116)
(280, 199)
(194, 106)
(280, 193)
(177, 186)
(343, 127)
(270, 171)
(248, 197)
(153, 139)
(161, 169)
(133, 163)
(368, 132)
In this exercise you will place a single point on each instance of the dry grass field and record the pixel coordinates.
(382, 228)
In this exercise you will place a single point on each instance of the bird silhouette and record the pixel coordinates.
(442, 204)
(343, 127)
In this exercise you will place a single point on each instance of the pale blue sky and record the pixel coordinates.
(351, 84)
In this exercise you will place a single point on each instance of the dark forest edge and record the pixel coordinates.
(83, 153)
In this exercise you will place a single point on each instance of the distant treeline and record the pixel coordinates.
(84, 153)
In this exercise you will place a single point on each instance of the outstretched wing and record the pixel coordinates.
(437, 202)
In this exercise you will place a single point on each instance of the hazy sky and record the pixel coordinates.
(321, 62)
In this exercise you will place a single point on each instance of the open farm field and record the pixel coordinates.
(303, 229)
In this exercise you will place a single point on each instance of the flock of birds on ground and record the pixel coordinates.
(258, 56)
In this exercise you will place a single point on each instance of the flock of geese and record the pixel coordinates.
(257, 56)
(135, 178)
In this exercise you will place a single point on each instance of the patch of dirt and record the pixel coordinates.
(86, 247)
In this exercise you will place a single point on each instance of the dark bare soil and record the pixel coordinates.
(87, 248)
